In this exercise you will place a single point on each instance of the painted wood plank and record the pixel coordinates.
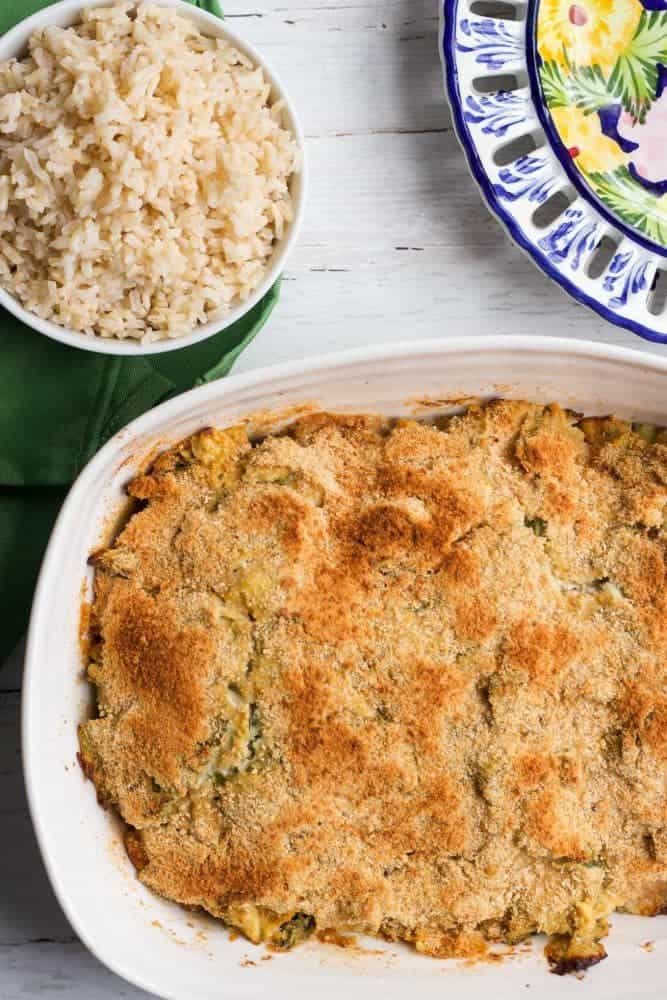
(56, 971)
(352, 67)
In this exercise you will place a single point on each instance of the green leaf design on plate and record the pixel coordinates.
(554, 85)
(627, 199)
(583, 87)
(634, 79)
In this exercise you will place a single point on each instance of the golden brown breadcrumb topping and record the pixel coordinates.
(394, 678)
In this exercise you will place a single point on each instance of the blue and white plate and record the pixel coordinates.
(561, 109)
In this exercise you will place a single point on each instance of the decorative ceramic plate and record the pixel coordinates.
(561, 108)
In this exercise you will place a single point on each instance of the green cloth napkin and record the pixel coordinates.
(58, 405)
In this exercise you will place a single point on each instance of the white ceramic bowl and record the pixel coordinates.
(68, 12)
(156, 944)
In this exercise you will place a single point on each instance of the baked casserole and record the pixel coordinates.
(393, 677)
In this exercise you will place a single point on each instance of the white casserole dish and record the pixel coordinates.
(182, 956)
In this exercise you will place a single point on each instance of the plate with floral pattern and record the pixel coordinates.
(561, 108)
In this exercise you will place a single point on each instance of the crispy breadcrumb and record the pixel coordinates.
(393, 678)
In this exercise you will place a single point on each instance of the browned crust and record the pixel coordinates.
(331, 936)
(397, 678)
(569, 966)
(84, 628)
(135, 850)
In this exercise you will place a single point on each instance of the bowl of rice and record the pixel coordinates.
(151, 175)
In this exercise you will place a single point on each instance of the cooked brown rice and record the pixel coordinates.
(143, 174)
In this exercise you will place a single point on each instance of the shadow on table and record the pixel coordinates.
(39, 952)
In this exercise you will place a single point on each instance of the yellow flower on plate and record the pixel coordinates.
(591, 151)
(587, 32)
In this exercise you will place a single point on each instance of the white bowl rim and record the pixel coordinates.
(13, 41)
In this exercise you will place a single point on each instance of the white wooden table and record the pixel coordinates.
(396, 245)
